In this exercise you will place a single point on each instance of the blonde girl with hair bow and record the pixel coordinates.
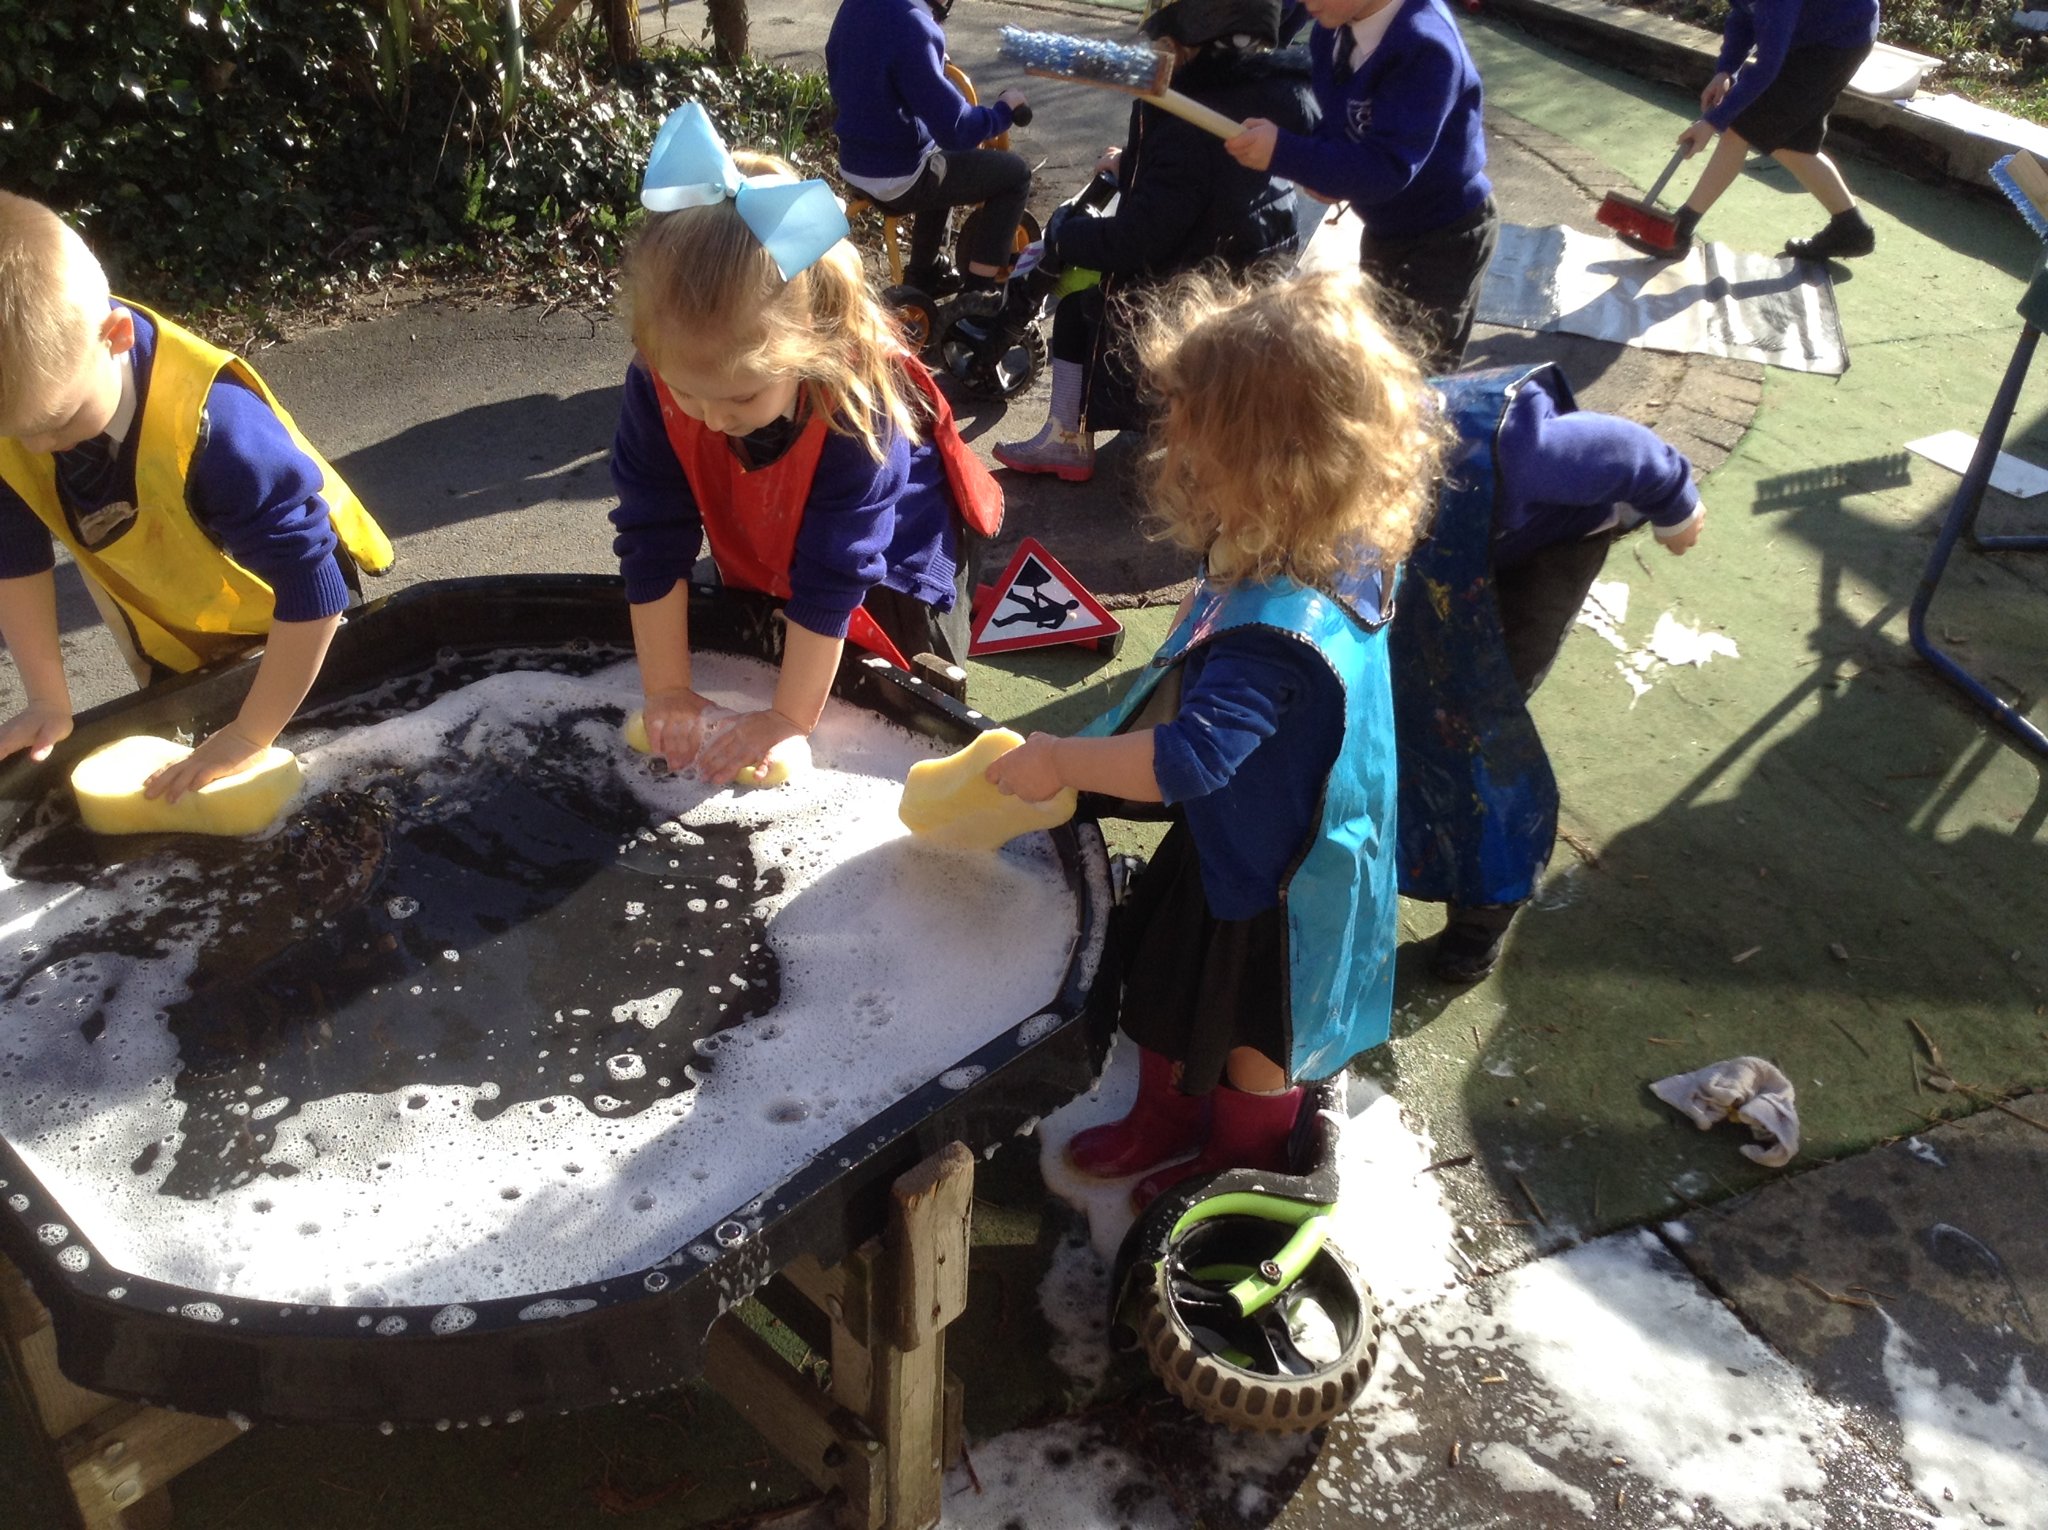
(772, 409)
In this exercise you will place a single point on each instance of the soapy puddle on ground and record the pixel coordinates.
(501, 1007)
(1602, 1384)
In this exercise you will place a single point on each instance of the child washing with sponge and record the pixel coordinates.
(1300, 449)
(773, 411)
(204, 524)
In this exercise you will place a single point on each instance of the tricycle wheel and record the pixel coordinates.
(1288, 1368)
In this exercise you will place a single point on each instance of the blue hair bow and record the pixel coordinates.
(690, 166)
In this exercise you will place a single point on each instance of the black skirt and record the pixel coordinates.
(1792, 112)
(1195, 986)
(915, 627)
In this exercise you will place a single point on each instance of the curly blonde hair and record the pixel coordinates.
(1299, 437)
(697, 282)
(53, 295)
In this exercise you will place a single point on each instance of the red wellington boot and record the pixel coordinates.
(1246, 1131)
(1163, 1124)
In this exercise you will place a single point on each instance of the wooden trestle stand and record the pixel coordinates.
(878, 1442)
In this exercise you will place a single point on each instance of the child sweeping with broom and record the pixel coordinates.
(1806, 52)
(1300, 452)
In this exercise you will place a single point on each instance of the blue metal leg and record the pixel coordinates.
(1962, 516)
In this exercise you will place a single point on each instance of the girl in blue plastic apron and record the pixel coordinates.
(1300, 448)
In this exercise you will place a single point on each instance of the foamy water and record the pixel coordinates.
(895, 962)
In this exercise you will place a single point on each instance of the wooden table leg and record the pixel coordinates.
(890, 1427)
(115, 1458)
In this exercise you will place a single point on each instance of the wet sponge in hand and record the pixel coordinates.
(109, 781)
(950, 802)
(790, 756)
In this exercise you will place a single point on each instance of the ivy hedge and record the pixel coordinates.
(218, 151)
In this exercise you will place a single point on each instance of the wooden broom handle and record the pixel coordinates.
(1190, 110)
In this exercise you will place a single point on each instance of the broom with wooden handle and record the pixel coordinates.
(1141, 71)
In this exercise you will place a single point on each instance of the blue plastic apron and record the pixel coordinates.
(1478, 800)
(1342, 912)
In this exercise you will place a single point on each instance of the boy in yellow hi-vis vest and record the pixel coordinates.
(204, 523)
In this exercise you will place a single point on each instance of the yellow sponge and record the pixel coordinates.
(779, 765)
(108, 783)
(950, 801)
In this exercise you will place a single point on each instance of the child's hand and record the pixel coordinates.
(1253, 148)
(1716, 91)
(222, 755)
(1683, 536)
(1697, 137)
(1030, 771)
(675, 726)
(744, 744)
(1111, 158)
(38, 727)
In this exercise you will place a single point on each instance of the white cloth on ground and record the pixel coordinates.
(1745, 1089)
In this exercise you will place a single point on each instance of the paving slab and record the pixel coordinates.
(1606, 1386)
(1909, 1285)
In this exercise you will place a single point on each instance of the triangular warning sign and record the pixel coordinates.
(1035, 604)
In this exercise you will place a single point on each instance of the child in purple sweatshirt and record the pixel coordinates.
(202, 522)
(1400, 138)
(1806, 52)
(912, 142)
(1534, 494)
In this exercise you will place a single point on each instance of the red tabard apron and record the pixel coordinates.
(751, 515)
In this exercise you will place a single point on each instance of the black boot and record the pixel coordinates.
(1846, 236)
(1688, 220)
(934, 280)
(1471, 941)
(981, 297)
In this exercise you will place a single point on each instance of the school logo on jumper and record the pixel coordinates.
(1358, 117)
(1037, 603)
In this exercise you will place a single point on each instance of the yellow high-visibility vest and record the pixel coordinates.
(188, 602)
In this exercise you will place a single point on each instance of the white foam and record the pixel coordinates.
(1977, 1460)
(1519, 1472)
(408, 1196)
(1646, 1365)
(1074, 1296)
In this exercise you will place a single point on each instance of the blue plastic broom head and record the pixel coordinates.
(1125, 66)
(2025, 184)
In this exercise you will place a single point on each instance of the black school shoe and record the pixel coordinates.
(937, 280)
(1846, 236)
(1471, 942)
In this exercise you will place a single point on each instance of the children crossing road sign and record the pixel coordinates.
(1037, 603)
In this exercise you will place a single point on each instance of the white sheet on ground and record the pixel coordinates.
(2009, 474)
(1716, 301)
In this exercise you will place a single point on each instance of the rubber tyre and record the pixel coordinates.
(1249, 1400)
(1029, 232)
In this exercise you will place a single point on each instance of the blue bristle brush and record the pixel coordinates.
(2019, 176)
(1142, 71)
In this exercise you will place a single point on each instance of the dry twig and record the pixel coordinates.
(1839, 1300)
